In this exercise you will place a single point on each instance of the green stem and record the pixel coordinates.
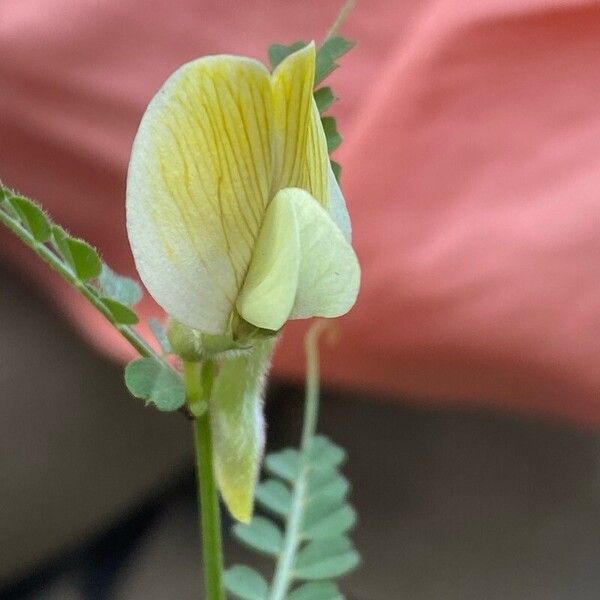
(49, 257)
(342, 16)
(198, 391)
(283, 576)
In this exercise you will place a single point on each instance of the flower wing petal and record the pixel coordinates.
(198, 185)
(299, 144)
(329, 273)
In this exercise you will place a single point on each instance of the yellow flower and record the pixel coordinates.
(232, 208)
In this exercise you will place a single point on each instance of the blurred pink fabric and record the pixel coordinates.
(471, 168)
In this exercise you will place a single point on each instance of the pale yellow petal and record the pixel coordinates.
(269, 291)
(299, 145)
(305, 267)
(198, 185)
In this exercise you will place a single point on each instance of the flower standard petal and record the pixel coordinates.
(199, 182)
(300, 156)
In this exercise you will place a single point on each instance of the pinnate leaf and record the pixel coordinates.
(245, 583)
(324, 559)
(317, 590)
(33, 217)
(275, 496)
(154, 381)
(261, 534)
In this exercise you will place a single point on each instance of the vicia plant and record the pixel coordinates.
(237, 225)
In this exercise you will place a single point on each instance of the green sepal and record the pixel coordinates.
(193, 345)
(154, 381)
(237, 424)
(245, 583)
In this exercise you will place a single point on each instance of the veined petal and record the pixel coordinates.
(315, 270)
(199, 182)
(300, 156)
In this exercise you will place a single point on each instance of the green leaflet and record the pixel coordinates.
(237, 423)
(327, 558)
(245, 583)
(324, 98)
(321, 590)
(278, 52)
(274, 496)
(33, 217)
(119, 288)
(120, 312)
(261, 534)
(327, 55)
(154, 381)
(334, 139)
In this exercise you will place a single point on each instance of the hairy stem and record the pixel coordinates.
(198, 390)
(50, 258)
(283, 576)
